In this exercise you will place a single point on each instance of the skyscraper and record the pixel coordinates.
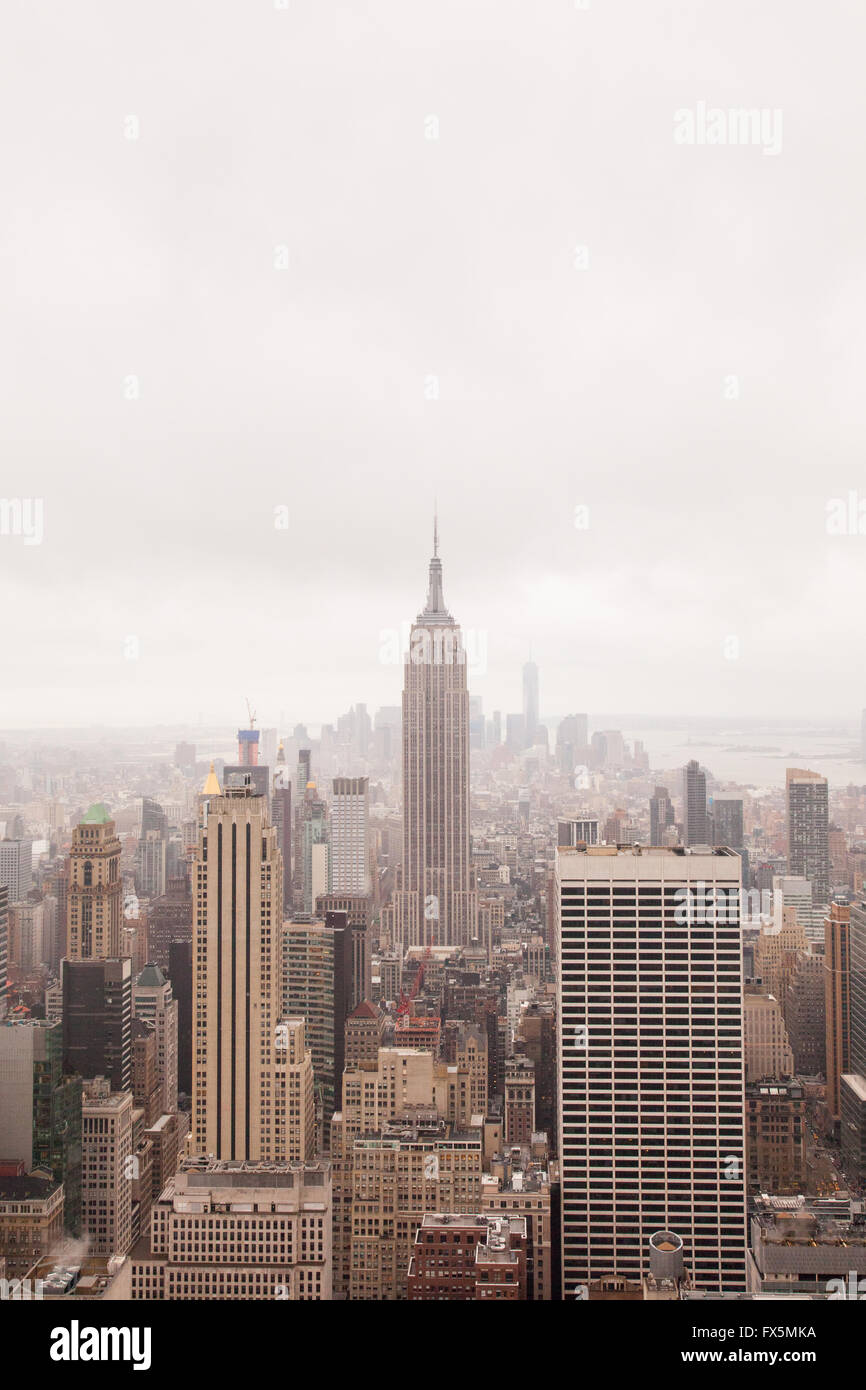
(16, 868)
(348, 865)
(696, 826)
(808, 830)
(435, 901)
(94, 899)
(650, 1062)
(97, 1019)
(530, 701)
(236, 980)
(661, 815)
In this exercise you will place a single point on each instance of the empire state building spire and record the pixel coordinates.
(435, 611)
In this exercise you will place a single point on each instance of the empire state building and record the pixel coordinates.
(435, 902)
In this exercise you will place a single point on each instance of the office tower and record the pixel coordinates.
(519, 1100)
(27, 935)
(767, 1045)
(572, 739)
(363, 1038)
(184, 756)
(798, 893)
(106, 1154)
(650, 1062)
(40, 1108)
(583, 830)
(269, 747)
(94, 899)
(662, 816)
(465, 1257)
(348, 864)
(151, 865)
(146, 1088)
(317, 987)
(435, 901)
(281, 815)
(236, 980)
(696, 824)
(776, 1137)
(837, 1001)
(31, 1223)
(180, 974)
(153, 1001)
(804, 1014)
(300, 1101)
(97, 1019)
(607, 748)
(16, 868)
(311, 850)
(536, 1040)
(359, 913)
(169, 919)
(495, 737)
(283, 1213)
(808, 826)
(530, 702)
(4, 947)
(248, 745)
(515, 733)
(728, 821)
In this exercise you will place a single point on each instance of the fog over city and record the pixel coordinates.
(275, 280)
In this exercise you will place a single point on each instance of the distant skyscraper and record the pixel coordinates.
(572, 738)
(94, 898)
(696, 825)
(530, 702)
(236, 981)
(281, 813)
(4, 946)
(650, 1099)
(808, 830)
(661, 815)
(16, 871)
(348, 864)
(435, 901)
(863, 736)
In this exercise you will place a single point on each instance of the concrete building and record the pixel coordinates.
(767, 1045)
(31, 1221)
(40, 1108)
(798, 1245)
(461, 1257)
(16, 868)
(696, 823)
(107, 1168)
(526, 1194)
(317, 987)
(837, 1001)
(519, 1100)
(776, 1137)
(231, 1230)
(650, 1062)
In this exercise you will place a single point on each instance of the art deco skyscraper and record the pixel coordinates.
(650, 1062)
(237, 981)
(94, 901)
(435, 901)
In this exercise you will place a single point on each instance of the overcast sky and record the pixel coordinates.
(237, 274)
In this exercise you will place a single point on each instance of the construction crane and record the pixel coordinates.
(406, 1004)
(252, 714)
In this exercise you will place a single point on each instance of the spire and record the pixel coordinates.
(211, 786)
(435, 611)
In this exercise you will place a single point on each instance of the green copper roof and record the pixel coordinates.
(97, 815)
